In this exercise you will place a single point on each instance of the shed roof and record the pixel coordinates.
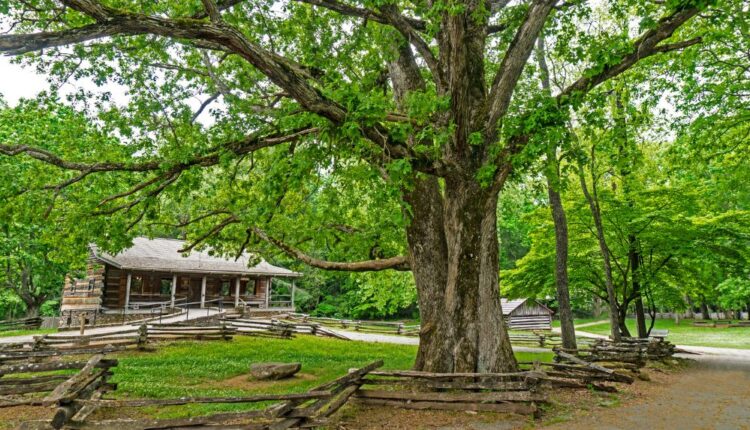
(164, 255)
(511, 305)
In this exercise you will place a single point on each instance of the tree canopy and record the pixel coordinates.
(368, 136)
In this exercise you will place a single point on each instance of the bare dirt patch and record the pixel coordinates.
(247, 382)
(359, 417)
(11, 418)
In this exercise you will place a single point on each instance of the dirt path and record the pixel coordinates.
(589, 324)
(714, 394)
(408, 340)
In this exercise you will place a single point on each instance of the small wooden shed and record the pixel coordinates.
(526, 314)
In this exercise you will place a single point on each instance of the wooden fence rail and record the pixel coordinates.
(50, 345)
(296, 410)
(22, 385)
(536, 338)
(517, 392)
(21, 324)
(279, 328)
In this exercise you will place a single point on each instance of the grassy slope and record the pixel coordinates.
(199, 368)
(686, 334)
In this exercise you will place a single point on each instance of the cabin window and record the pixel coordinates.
(225, 288)
(136, 284)
(166, 287)
(250, 288)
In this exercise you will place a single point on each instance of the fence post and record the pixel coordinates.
(82, 321)
(142, 336)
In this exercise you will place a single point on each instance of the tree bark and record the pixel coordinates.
(614, 317)
(635, 262)
(567, 328)
(705, 313)
(429, 262)
(454, 255)
(552, 172)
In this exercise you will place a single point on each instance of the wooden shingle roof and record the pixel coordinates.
(163, 255)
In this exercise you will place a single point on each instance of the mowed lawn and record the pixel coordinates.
(686, 334)
(221, 369)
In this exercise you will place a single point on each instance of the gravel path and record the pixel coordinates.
(714, 395)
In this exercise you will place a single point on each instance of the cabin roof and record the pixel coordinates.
(163, 255)
(511, 305)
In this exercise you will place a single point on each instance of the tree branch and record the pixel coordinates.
(396, 263)
(405, 28)
(644, 47)
(345, 9)
(212, 10)
(514, 61)
(214, 230)
(220, 5)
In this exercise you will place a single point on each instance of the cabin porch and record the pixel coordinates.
(139, 291)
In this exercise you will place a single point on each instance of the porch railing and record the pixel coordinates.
(280, 301)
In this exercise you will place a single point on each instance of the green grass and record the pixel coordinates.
(201, 369)
(686, 334)
(13, 333)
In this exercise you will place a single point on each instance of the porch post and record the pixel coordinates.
(174, 288)
(127, 290)
(269, 286)
(293, 288)
(237, 293)
(203, 292)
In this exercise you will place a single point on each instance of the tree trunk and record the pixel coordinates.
(598, 307)
(473, 332)
(567, 329)
(705, 314)
(689, 314)
(622, 316)
(635, 260)
(32, 309)
(456, 271)
(614, 320)
(454, 256)
(429, 263)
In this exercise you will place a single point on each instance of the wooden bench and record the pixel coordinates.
(658, 334)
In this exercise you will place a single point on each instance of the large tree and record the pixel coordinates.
(311, 76)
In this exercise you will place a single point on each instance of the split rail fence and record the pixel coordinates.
(279, 329)
(382, 327)
(21, 324)
(496, 392)
(41, 384)
(298, 410)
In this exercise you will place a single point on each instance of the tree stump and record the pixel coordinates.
(274, 371)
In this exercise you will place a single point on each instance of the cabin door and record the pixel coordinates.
(195, 290)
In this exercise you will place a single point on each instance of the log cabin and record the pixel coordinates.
(526, 314)
(154, 274)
